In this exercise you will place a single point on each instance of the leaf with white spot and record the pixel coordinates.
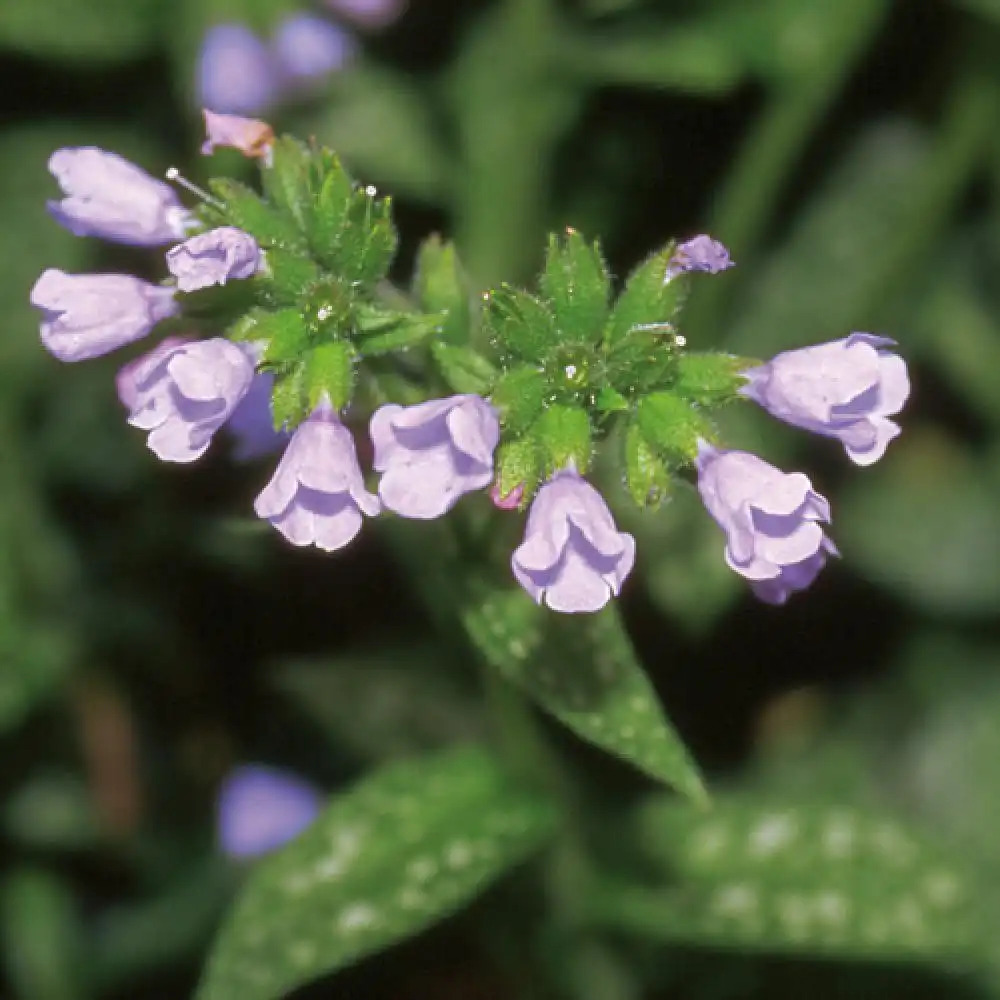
(402, 849)
(792, 876)
(583, 670)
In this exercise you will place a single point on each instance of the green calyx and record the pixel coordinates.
(574, 364)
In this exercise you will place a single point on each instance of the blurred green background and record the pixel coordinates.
(151, 636)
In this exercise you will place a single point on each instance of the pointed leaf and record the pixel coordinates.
(519, 325)
(244, 208)
(582, 669)
(440, 286)
(402, 849)
(406, 330)
(290, 396)
(646, 299)
(671, 425)
(286, 335)
(577, 286)
(288, 276)
(286, 180)
(709, 378)
(519, 463)
(564, 435)
(647, 477)
(519, 396)
(330, 374)
(464, 369)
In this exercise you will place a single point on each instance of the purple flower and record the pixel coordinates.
(700, 253)
(236, 72)
(183, 392)
(213, 258)
(109, 197)
(308, 48)
(368, 13)
(771, 520)
(251, 137)
(261, 808)
(432, 453)
(573, 556)
(87, 315)
(252, 424)
(317, 494)
(846, 389)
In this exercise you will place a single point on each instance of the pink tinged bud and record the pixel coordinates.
(368, 13)
(509, 502)
(700, 253)
(252, 425)
(317, 494)
(109, 197)
(213, 258)
(771, 520)
(87, 315)
(236, 72)
(846, 389)
(432, 453)
(183, 392)
(573, 557)
(261, 808)
(251, 137)
(308, 48)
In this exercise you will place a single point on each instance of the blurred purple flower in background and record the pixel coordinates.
(846, 389)
(771, 519)
(109, 197)
(252, 424)
(236, 71)
(87, 315)
(573, 556)
(308, 48)
(261, 808)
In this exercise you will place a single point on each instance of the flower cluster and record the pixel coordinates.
(240, 73)
(306, 264)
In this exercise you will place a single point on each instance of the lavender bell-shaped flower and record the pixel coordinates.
(772, 521)
(213, 258)
(700, 253)
(252, 137)
(432, 453)
(261, 808)
(317, 494)
(573, 557)
(183, 392)
(308, 48)
(109, 197)
(846, 389)
(87, 315)
(236, 71)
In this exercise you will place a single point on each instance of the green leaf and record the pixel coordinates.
(408, 330)
(519, 325)
(519, 395)
(647, 477)
(332, 206)
(583, 670)
(892, 523)
(709, 379)
(564, 436)
(798, 876)
(440, 286)
(519, 463)
(70, 31)
(646, 300)
(610, 400)
(330, 374)
(576, 283)
(464, 369)
(244, 208)
(289, 275)
(672, 425)
(290, 396)
(402, 849)
(287, 180)
(42, 935)
(285, 332)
